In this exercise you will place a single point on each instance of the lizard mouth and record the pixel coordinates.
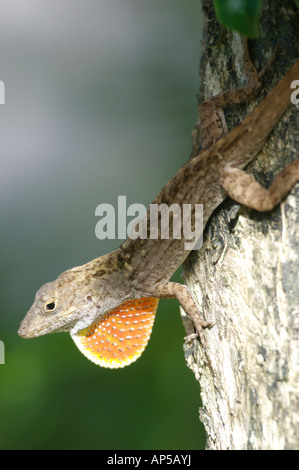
(32, 326)
(23, 334)
(26, 332)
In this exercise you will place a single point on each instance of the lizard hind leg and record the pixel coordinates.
(119, 337)
(213, 124)
(244, 189)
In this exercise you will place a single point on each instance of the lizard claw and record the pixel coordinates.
(199, 332)
(191, 337)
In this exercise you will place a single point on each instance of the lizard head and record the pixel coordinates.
(111, 332)
(59, 305)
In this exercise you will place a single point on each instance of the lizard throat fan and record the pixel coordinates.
(120, 337)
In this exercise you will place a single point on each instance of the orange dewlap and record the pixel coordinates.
(120, 337)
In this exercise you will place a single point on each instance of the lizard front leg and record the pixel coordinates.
(169, 290)
(244, 189)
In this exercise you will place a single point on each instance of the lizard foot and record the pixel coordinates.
(200, 326)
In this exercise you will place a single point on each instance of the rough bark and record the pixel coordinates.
(246, 276)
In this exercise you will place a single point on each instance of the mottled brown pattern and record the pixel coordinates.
(140, 268)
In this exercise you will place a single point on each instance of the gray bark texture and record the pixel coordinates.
(246, 276)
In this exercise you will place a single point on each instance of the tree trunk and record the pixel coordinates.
(246, 276)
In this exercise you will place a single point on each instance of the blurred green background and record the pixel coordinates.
(100, 102)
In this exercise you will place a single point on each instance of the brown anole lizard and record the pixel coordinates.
(108, 305)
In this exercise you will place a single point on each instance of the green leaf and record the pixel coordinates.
(297, 3)
(239, 15)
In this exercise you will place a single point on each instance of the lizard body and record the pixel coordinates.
(121, 289)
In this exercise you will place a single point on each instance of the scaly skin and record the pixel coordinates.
(80, 298)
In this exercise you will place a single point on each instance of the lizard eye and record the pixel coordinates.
(50, 306)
